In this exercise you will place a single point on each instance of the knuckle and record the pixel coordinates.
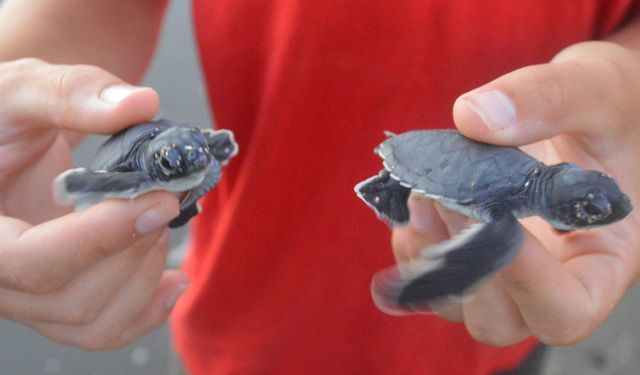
(64, 78)
(58, 80)
(613, 83)
(550, 91)
(63, 82)
(60, 83)
(602, 79)
(29, 281)
(82, 313)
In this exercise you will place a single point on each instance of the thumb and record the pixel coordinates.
(71, 97)
(587, 90)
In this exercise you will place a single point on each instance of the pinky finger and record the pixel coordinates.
(96, 337)
(171, 287)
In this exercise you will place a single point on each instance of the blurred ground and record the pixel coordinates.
(612, 350)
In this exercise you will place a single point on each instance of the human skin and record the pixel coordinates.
(94, 279)
(582, 107)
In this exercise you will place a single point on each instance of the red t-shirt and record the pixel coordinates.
(283, 253)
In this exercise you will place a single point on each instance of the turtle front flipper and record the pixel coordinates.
(449, 269)
(386, 196)
(82, 187)
(189, 205)
(222, 144)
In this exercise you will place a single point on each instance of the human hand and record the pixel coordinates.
(581, 108)
(93, 279)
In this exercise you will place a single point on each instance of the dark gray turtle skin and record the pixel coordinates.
(493, 185)
(157, 155)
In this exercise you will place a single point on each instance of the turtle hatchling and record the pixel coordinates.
(156, 155)
(491, 184)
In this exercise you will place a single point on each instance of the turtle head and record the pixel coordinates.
(178, 153)
(580, 199)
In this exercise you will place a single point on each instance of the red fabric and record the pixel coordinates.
(283, 253)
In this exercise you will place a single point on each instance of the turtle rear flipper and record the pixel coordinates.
(83, 187)
(449, 269)
(386, 196)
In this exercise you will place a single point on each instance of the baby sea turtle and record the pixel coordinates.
(491, 184)
(157, 155)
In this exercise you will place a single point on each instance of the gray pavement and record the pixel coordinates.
(613, 350)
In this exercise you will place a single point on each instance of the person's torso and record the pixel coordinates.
(284, 251)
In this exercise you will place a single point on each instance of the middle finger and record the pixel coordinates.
(82, 300)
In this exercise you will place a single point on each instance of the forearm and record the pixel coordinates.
(119, 36)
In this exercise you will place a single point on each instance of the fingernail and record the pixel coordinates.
(154, 218)
(493, 107)
(422, 214)
(173, 299)
(116, 93)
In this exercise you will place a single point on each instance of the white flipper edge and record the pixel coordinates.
(447, 271)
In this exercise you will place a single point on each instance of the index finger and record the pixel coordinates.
(45, 257)
(79, 98)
